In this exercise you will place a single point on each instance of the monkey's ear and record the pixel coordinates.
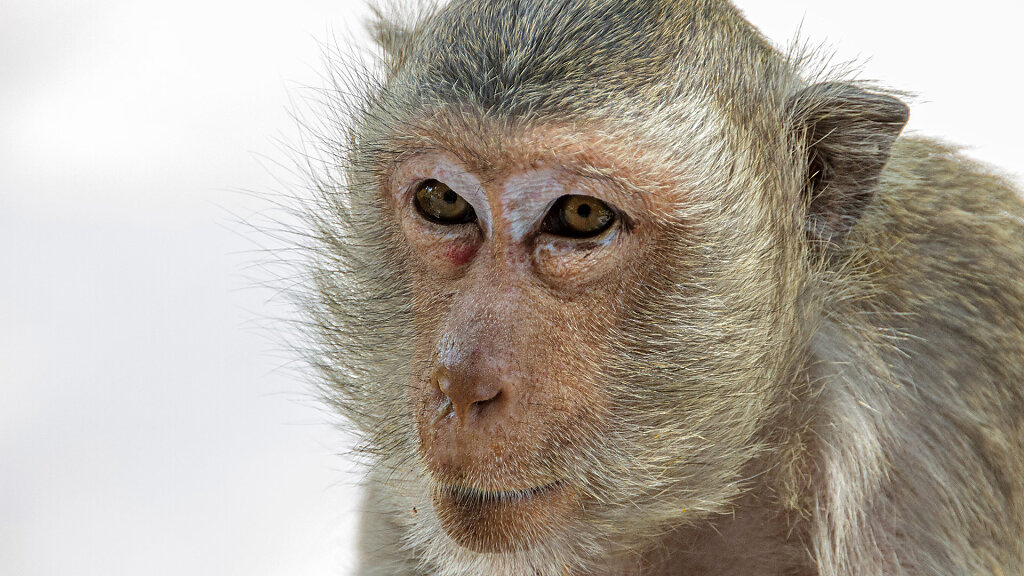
(389, 34)
(848, 133)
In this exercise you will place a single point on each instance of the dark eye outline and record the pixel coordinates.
(468, 216)
(556, 225)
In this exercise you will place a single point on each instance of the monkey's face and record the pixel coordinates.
(518, 273)
(585, 341)
(558, 287)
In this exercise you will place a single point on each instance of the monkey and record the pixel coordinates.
(611, 287)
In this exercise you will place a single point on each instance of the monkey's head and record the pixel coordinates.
(566, 271)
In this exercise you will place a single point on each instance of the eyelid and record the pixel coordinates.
(407, 179)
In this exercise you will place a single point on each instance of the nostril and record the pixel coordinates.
(467, 396)
(481, 404)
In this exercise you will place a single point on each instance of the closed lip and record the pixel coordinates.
(490, 521)
(471, 495)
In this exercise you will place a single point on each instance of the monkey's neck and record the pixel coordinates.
(760, 538)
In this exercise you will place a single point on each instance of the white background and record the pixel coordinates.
(148, 424)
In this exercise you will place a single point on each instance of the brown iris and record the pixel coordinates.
(438, 203)
(576, 216)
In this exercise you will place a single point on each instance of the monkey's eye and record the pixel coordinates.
(576, 216)
(439, 203)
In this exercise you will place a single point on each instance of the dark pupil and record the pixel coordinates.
(450, 196)
(583, 210)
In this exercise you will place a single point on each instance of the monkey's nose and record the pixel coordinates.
(470, 397)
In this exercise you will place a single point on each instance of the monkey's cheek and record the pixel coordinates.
(460, 253)
(491, 523)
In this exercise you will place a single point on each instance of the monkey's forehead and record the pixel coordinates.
(599, 150)
(560, 56)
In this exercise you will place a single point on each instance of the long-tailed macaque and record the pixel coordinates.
(614, 287)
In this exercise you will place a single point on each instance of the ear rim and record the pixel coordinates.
(389, 34)
(845, 133)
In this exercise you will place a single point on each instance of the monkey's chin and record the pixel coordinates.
(497, 522)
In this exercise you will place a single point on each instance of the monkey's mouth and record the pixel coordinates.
(501, 521)
(473, 496)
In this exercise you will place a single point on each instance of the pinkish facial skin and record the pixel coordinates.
(492, 299)
(459, 254)
(510, 204)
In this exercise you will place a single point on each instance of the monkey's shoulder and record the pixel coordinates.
(942, 249)
(934, 179)
(939, 212)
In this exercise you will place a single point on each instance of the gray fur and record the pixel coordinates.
(821, 376)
